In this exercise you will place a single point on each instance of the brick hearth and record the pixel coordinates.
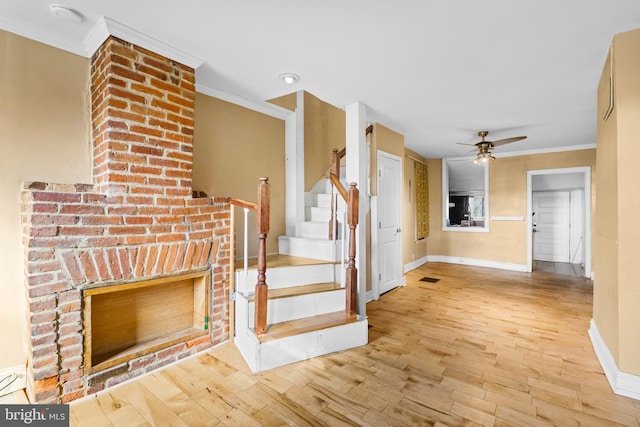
(136, 221)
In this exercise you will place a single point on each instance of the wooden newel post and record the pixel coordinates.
(261, 292)
(352, 272)
(335, 169)
(335, 162)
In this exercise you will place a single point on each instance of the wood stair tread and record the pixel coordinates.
(300, 290)
(307, 324)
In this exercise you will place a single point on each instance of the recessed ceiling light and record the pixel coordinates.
(289, 78)
(66, 13)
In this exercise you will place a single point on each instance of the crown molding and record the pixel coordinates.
(545, 150)
(106, 27)
(64, 43)
(259, 106)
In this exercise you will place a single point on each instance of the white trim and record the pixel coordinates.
(358, 171)
(375, 274)
(371, 296)
(544, 150)
(51, 39)
(507, 218)
(445, 198)
(586, 170)
(621, 383)
(399, 280)
(477, 262)
(415, 264)
(106, 27)
(258, 106)
(294, 157)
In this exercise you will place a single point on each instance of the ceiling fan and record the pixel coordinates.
(484, 147)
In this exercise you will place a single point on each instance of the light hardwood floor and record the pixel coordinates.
(479, 347)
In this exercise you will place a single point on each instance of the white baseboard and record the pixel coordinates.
(621, 383)
(370, 296)
(415, 264)
(477, 262)
(13, 379)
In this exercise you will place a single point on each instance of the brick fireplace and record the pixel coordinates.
(132, 237)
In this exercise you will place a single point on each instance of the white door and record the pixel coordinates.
(389, 222)
(552, 221)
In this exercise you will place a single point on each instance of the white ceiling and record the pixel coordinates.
(435, 71)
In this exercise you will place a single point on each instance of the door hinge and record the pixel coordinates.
(380, 276)
(232, 297)
(379, 224)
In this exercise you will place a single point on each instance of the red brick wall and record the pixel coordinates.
(135, 222)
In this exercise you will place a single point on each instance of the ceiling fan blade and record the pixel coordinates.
(464, 143)
(507, 140)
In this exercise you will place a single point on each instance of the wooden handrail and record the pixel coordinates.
(334, 175)
(243, 204)
(261, 292)
(336, 182)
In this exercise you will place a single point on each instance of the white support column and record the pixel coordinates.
(357, 171)
(294, 164)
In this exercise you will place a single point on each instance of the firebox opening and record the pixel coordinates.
(130, 320)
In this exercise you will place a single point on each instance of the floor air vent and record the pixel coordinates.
(429, 279)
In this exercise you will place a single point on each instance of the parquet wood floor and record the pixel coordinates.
(479, 347)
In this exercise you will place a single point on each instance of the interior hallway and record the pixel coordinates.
(470, 345)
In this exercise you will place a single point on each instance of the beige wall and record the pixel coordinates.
(324, 130)
(290, 101)
(412, 249)
(387, 140)
(233, 148)
(506, 240)
(616, 290)
(44, 136)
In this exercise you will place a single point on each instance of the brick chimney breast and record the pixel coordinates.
(137, 221)
(142, 120)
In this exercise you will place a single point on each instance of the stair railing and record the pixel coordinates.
(351, 197)
(336, 157)
(262, 220)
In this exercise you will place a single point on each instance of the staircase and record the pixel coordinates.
(313, 241)
(306, 314)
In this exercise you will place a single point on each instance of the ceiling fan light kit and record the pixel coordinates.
(483, 158)
(484, 147)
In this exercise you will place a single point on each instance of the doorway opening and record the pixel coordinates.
(559, 217)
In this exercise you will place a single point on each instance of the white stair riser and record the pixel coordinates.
(322, 186)
(282, 277)
(301, 306)
(320, 214)
(315, 230)
(318, 230)
(322, 200)
(272, 354)
(310, 248)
